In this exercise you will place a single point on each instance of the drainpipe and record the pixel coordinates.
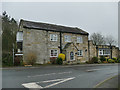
(111, 51)
(60, 42)
(88, 50)
(97, 49)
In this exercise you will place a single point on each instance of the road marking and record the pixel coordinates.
(90, 70)
(50, 74)
(59, 82)
(35, 84)
(31, 85)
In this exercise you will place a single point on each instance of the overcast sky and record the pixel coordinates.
(89, 16)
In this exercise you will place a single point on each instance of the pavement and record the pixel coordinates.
(111, 82)
(65, 76)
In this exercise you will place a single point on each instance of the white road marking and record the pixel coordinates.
(49, 74)
(31, 85)
(90, 70)
(35, 84)
(50, 81)
(59, 82)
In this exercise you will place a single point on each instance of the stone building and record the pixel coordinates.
(103, 50)
(46, 41)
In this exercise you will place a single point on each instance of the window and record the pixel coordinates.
(67, 38)
(53, 37)
(53, 53)
(80, 53)
(100, 52)
(104, 52)
(19, 36)
(79, 40)
(71, 56)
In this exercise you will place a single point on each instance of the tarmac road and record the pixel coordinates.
(71, 76)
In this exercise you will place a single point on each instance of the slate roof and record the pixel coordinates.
(51, 27)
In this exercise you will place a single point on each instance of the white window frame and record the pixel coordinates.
(54, 53)
(53, 37)
(79, 39)
(80, 53)
(73, 56)
(67, 38)
(19, 36)
(102, 51)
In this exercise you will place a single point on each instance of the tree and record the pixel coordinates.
(110, 40)
(9, 30)
(97, 38)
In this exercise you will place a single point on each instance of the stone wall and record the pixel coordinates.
(92, 50)
(38, 42)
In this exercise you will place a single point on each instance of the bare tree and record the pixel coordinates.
(110, 40)
(98, 39)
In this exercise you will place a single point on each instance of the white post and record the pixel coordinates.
(13, 53)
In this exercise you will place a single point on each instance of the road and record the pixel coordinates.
(74, 76)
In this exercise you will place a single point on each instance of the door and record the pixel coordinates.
(71, 56)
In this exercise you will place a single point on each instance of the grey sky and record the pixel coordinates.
(89, 16)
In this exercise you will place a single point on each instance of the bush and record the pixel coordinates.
(7, 60)
(59, 61)
(93, 60)
(31, 59)
(111, 61)
(119, 60)
(115, 59)
(99, 61)
(53, 60)
(102, 58)
(61, 55)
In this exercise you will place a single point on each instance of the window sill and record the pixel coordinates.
(80, 56)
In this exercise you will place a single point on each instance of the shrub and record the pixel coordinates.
(119, 60)
(61, 55)
(21, 63)
(53, 60)
(115, 59)
(102, 58)
(111, 61)
(99, 61)
(59, 61)
(7, 60)
(95, 59)
(31, 58)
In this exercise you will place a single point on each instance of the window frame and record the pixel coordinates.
(103, 51)
(67, 38)
(79, 39)
(53, 36)
(53, 53)
(73, 56)
(80, 51)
